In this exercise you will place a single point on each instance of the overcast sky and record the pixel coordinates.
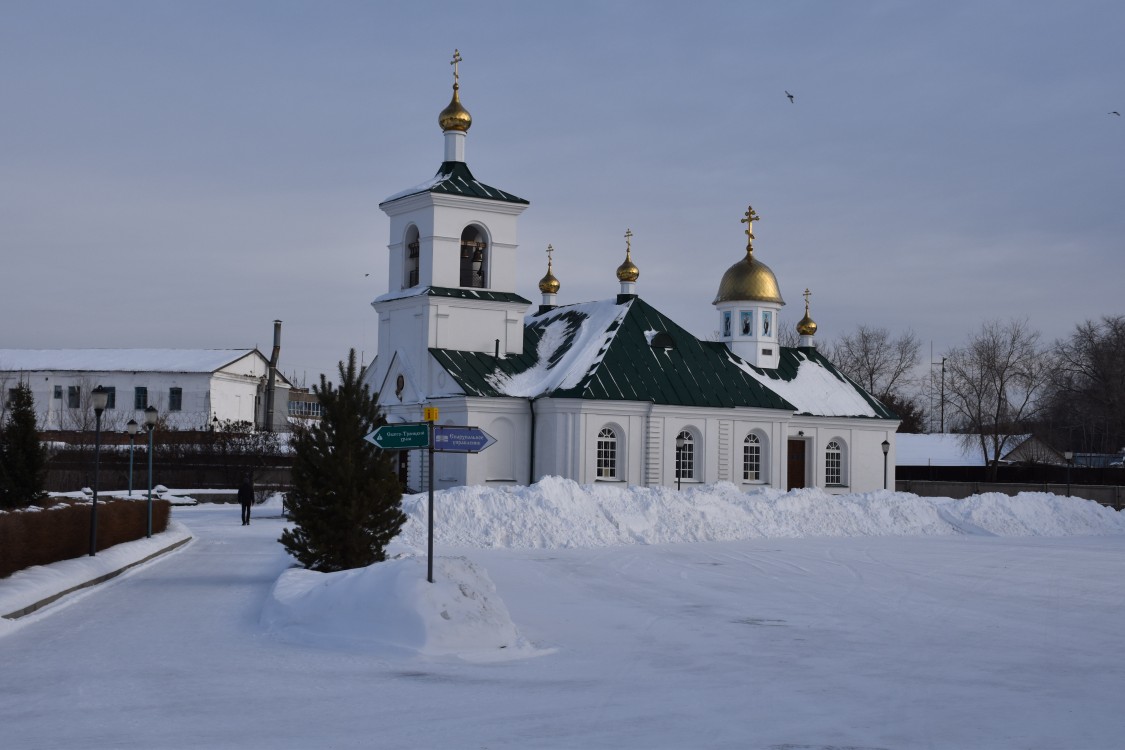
(180, 174)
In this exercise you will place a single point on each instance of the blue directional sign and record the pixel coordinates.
(394, 437)
(451, 439)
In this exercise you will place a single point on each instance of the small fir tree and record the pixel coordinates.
(345, 501)
(23, 459)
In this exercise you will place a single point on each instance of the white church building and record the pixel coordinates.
(605, 391)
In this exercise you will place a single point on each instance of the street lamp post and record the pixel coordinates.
(150, 424)
(1069, 456)
(132, 428)
(679, 459)
(100, 399)
(886, 450)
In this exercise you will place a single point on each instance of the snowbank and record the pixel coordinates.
(390, 607)
(559, 513)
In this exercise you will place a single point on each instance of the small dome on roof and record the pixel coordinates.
(455, 116)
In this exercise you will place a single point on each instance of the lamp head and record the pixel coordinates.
(100, 399)
(150, 417)
(132, 427)
(886, 447)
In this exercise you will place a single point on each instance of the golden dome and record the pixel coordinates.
(628, 271)
(549, 284)
(749, 280)
(455, 116)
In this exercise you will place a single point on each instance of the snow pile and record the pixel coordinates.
(391, 607)
(559, 513)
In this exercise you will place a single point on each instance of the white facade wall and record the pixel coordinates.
(861, 447)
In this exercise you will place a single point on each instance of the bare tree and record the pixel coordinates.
(1086, 407)
(993, 385)
(787, 335)
(876, 361)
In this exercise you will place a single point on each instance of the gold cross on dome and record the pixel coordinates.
(628, 240)
(748, 219)
(550, 250)
(807, 295)
(456, 59)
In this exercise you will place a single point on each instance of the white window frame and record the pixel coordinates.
(686, 457)
(752, 444)
(834, 463)
(607, 449)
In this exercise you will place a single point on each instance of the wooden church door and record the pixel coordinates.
(796, 471)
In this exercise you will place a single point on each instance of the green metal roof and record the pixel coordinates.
(454, 178)
(618, 361)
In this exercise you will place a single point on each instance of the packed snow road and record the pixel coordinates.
(861, 642)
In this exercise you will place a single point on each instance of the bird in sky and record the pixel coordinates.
(790, 97)
(1115, 112)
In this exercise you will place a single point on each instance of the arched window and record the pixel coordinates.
(411, 259)
(607, 454)
(752, 458)
(685, 455)
(833, 463)
(474, 258)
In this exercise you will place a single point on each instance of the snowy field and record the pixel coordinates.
(569, 617)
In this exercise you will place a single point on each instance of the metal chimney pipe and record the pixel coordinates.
(271, 383)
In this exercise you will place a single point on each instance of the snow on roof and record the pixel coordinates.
(421, 187)
(559, 366)
(119, 360)
(815, 390)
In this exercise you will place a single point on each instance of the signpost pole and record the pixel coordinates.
(430, 543)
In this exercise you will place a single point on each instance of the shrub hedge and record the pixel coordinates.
(43, 535)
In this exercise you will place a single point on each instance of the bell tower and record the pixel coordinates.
(451, 266)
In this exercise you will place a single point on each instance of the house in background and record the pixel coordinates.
(952, 450)
(190, 388)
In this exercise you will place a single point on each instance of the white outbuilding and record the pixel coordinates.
(190, 388)
(606, 391)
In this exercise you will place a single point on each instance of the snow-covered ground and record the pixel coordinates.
(571, 617)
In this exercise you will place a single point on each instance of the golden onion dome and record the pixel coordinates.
(749, 280)
(455, 116)
(628, 270)
(549, 284)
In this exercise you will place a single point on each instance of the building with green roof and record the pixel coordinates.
(607, 391)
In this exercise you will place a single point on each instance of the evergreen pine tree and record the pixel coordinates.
(345, 501)
(23, 459)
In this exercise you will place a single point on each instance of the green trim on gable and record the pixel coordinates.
(473, 293)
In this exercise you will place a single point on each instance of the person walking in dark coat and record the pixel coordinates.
(246, 499)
